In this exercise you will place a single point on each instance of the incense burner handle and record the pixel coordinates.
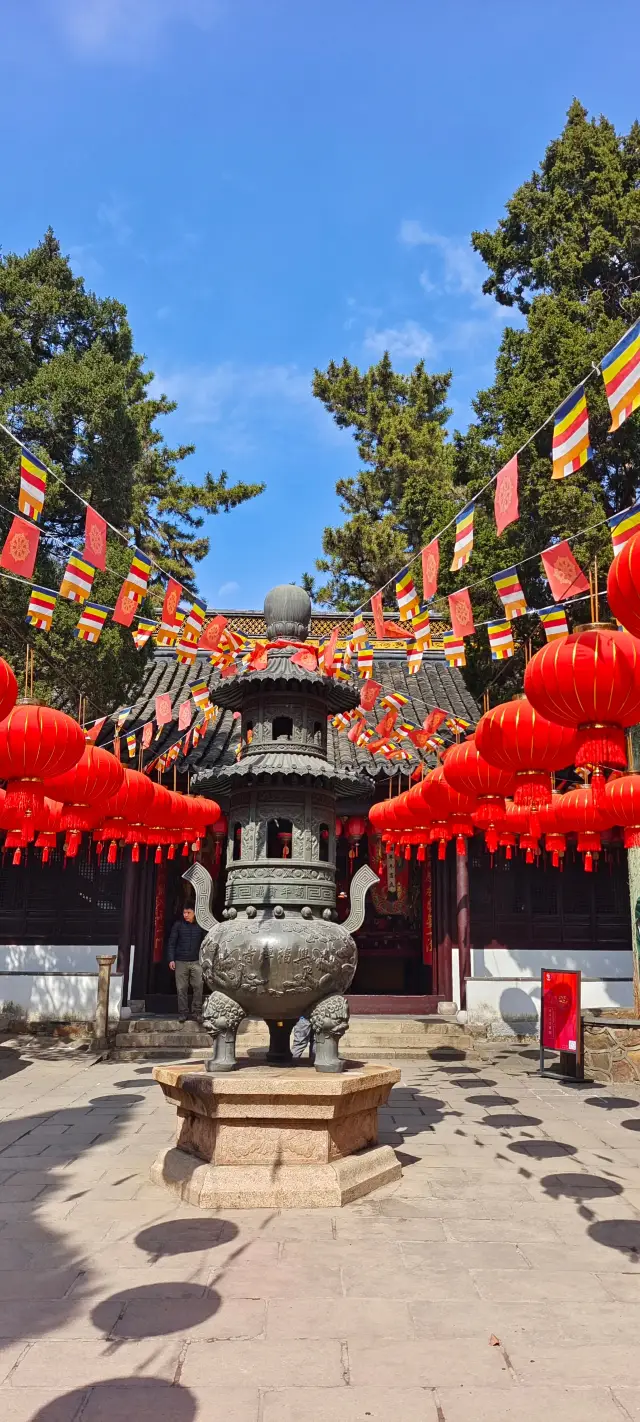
(202, 883)
(360, 884)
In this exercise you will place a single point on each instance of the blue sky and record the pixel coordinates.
(270, 184)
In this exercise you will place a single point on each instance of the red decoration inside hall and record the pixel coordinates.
(36, 742)
(589, 680)
(516, 737)
(623, 585)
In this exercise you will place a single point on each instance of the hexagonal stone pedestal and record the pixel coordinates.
(276, 1137)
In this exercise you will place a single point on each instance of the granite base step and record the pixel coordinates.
(368, 1038)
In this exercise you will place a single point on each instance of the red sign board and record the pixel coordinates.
(560, 1025)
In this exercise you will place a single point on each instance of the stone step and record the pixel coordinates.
(378, 1038)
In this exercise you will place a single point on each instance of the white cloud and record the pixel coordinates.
(228, 588)
(226, 391)
(407, 342)
(125, 29)
(112, 214)
(84, 264)
(462, 269)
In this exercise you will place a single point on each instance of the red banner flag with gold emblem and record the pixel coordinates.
(564, 575)
(95, 540)
(126, 607)
(430, 566)
(506, 496)
(461, 613)
(20, 548)
(378, 616)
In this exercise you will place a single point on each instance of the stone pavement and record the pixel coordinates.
(500, 1280)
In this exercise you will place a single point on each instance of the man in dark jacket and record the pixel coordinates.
(184, 960)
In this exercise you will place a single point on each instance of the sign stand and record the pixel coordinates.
(561, 1023)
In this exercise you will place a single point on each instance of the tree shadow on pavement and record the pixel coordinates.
(137, 1399)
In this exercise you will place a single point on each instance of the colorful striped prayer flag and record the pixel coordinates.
(200, 694)
(365, 662)
(131, 744)
(137, 579)
(33, 484)
(92, 620)
(454, 649)
(120, 718)
(554, 621)
(78, 579)
(167, 636)
(341, 721)
(394, 700)
(414, 657)
(406, 595)
(340, 671)
(621, 375)
(359, 633)
(510, 592)
(186, 652)
(570, 448)
(421, 626)
(622, 526)
(142, 633)
(464, 538)
(500, 640)
(457, 723)
(41, 608)
(404, 729)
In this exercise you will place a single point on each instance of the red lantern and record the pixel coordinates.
(622, 799)
(36, 743)
(49, 827)
(589, 680)
(8, 689)
(623, 585)
(517, 738)
(469, 773)
(555, 842)
(126, 810)
(581, 813)
(95, 777)
(355, 827)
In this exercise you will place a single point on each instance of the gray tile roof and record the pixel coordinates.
(435, 685)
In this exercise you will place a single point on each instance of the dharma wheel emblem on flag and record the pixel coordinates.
(430, 567)
(96, 539)
(172, 601)
(463, 614)
(19, 547)
(505, 491)
(129, 604)
(565, 571)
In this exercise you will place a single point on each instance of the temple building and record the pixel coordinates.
(429, 934)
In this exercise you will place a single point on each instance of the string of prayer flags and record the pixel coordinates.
(554, 621)
(464, 538)
(570, 448)
(41, 608)
(131, 744)
(414, 657)
(78, 579)
(454, 649)
(184, 715)
(505, 503)
(621, 375)
(509, 590)
(164, 712)
(196, 735)
(430, 567)
(230, 641)
(564, 575)
(622, 526)
(394, 700)
(421, 626)
(341, 721)
(95, 540)
(137, 579)
(365, 662)
(92, 620)
(404, 729)
(142, 633)
(120, 718)
(461, 613)
(147, 735)
(340, 671)
(457, 724)
(406, 595)
(500, 640)
(20, 548)
(194, 623)
(33, 484)
(186, 651)
(378, 616)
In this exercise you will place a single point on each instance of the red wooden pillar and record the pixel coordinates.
(462, 920)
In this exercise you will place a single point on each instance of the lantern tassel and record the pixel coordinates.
(461, 846)
(135, 853)
(17, 856)
(113, 852)
(158, 855)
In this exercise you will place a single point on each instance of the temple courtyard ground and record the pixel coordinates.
(499, 1280)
